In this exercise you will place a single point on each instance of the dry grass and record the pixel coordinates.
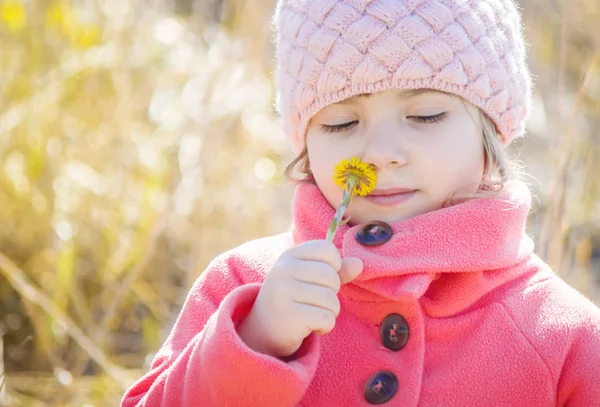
(137, 141)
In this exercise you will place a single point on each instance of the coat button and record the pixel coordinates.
(374, 233)
(381, 387)
(394, 332)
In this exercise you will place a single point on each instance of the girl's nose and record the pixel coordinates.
(385, 150)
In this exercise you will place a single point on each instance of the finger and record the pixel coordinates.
(317, 250)
(316, 272)
(317, 320)
(351, 268)
(316, 295)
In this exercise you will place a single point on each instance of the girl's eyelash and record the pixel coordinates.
(430, 119)
(419, 119)
(338, 127)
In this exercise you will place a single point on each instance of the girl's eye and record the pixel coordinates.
(338, 127)
(429, 119)
(419, 119)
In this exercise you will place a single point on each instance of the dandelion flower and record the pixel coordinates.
(354, 171)
(356, 178)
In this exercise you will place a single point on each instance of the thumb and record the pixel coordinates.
(351, 268)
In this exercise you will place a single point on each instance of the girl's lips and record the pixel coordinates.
(390, 198)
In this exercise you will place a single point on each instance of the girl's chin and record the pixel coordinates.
(383, 216)
(365, 213)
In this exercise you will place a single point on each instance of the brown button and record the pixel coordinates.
(381, 387)
(373, 233)
(394, 332)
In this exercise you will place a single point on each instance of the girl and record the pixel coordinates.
(431, 295)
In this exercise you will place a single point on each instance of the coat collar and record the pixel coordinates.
(465, 250)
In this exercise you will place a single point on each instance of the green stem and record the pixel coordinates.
(337, 220)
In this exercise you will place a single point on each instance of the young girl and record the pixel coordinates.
(431, 295)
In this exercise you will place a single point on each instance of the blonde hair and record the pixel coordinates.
(499, 167)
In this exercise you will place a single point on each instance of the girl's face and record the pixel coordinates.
(426, 146)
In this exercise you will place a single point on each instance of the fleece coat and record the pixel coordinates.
(489, 323)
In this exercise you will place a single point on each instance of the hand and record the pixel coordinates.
(298, 297)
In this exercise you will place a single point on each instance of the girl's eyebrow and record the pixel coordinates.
(402, 95)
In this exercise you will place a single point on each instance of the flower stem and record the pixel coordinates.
(337, 220)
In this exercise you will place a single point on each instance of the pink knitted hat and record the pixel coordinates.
(330, 50)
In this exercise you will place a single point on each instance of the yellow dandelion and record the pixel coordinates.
(356, 178)
(354, 171)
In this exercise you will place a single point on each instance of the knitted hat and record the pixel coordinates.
(330, 50)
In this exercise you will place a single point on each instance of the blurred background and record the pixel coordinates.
(138, 140)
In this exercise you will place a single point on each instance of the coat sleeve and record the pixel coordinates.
(579, 380)
(204, 362)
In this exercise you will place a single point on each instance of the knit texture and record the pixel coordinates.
(330, 50)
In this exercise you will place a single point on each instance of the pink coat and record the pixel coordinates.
(452, 310)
